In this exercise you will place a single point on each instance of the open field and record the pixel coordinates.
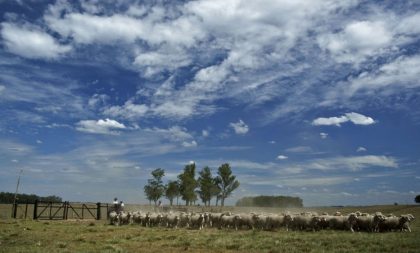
(97, 236)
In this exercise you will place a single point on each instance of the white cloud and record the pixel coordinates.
(2, 88)
(282, 157)
(240, 127)
(272, 142)
(86, 28)
(299, 149)
(189, 144)
(330, 121)
(107, 126)
(98, 100)
(176, 134)
(355, 118)
(401, 72)
(128, 111)
(205, 133)
(38, 141)
(323, 135)
(31, 42)
(356, 41)
(353, 163)
(155, 62)
(359, 119)
(361, 149)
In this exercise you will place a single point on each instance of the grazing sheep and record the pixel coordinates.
(305, 222)
(184, 220)
(124, 218)
(394, 223)
(197, 221)
(248, 220)
(114, 218)
(230, 221)
(370, 223)
(171, 220)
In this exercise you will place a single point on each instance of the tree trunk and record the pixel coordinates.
(217, 200)
(222, 203)
(170, 201)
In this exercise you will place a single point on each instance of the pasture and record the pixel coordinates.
(97, 236)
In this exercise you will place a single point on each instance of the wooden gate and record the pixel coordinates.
(65, 210)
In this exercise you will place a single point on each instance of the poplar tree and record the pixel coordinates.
(226, 182)
(155, 189)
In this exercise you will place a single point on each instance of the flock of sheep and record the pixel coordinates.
(309, 221)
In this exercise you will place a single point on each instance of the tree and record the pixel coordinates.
(208, 188)
(188, 184)
(417, 199)
(154, 189)
(172, 191)
(226, 181)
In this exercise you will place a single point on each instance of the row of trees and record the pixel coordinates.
(8, 198)
(206, 187)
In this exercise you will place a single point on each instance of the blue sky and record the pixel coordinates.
(317, 99)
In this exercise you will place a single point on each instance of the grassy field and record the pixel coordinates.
(97, 236)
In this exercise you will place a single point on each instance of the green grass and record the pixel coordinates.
(97, 236)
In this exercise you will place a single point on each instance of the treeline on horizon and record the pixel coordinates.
(189, 188)
(8, 198)
(270, 201)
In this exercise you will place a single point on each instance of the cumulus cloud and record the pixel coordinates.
(107, 126)
(239, 127)
(282, 157)
(330, 121)
(205, 133)
(355, 118)
(356, 41)
(189, 144)
(31, 42)
(361, 149)
(323, 135)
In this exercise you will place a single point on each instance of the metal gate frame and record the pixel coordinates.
(55, 207)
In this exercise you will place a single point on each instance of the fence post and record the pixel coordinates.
(50, 210)
(35, 209)
(14, 210)
(26, 209)
(98, 210)
(66, 209)
(107, 211)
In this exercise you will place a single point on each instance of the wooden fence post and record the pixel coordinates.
(50, 215)
(14, 210)
(98, 210)
(35, 209)
(26, 209)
